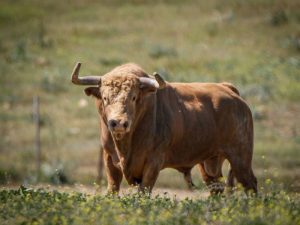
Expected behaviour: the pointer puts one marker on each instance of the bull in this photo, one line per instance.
(148, 124)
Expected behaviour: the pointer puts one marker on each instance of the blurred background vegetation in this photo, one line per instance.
(253, 44)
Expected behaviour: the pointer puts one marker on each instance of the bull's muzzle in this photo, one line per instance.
(118, 125)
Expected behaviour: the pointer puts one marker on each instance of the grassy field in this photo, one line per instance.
(20, 207)
(253, 44)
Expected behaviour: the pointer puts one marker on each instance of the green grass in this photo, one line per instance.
(28, 206)
(233, 41)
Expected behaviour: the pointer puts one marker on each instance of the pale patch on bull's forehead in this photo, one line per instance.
(119, 86)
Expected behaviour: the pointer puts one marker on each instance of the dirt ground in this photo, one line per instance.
(93, 190)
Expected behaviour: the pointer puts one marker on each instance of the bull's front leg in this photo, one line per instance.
(150, 174)
(113, 173)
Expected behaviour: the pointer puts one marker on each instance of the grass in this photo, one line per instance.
(28, 206)
(252, 44)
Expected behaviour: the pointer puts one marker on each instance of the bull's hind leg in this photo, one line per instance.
(241, 168)
(230, 180)
(211, 171)
(188, 179)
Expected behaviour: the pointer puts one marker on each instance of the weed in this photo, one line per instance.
(20, 52)
(29, 206)
(279, 17)
(158, 51)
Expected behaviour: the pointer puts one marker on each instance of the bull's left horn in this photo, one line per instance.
(157, 83)
(160, 80)
(87, 80)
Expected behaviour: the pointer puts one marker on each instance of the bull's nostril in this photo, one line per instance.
(115, 124)
(112, 123)
(125, 125)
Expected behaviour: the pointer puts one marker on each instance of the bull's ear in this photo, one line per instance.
(94, 91)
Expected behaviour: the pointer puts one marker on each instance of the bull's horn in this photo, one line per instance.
(87, 80)
(160, 80)
(157, 83)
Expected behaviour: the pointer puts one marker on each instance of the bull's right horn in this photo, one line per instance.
(87, 80)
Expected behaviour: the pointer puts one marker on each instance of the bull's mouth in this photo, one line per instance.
(119, 135)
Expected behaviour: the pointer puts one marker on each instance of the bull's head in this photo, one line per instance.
(120, 93)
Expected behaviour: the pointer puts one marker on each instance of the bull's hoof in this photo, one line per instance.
(137, 181)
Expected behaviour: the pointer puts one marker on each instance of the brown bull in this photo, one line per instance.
(148, 124)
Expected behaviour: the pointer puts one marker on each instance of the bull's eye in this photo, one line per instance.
(105, 101)
(134, 98)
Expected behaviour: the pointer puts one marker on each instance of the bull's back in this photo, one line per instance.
(201, 117)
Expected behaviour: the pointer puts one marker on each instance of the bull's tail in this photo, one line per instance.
(231, 87)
